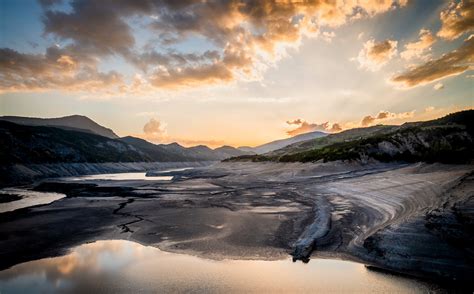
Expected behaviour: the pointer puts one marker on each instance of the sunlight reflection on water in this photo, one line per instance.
(27, 198)
(124, 266)
(120, 177)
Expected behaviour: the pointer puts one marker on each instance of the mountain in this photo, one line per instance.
(176, 152)
(344, 136)
(278, 144)
(229, 151)
(72, 122)
(62, 133)
(157, 152)
(449, 139)
(39, 144)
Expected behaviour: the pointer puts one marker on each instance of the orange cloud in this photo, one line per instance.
(305, 127)
(457, 19)
(374, 55)
(385, 115)
(248, 36)
(418, 48)
(449, 64)
(57, 69)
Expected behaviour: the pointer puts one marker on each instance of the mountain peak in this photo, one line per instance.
(75, 122)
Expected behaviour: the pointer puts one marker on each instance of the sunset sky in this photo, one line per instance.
(236, 72)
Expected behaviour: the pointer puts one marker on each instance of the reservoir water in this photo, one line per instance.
(118, 266)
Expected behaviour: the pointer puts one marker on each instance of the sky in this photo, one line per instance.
(235, 72)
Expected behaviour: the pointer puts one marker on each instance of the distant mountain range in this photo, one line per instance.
(278, 144)
(79, 139)
(176, 152)
(75, 139)
(72, 122)
(449, 139)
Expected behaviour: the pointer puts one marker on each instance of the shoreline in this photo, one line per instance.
(261, 211)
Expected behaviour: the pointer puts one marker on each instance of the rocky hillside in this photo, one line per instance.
(37, 144)
(345, 136)
(72, 122)
(23, 144)
(449, 139)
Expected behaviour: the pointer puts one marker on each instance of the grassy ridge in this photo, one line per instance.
(448, 140)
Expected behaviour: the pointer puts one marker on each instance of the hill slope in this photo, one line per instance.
(176, 152)
(449, 139)
(72, 122)
(278, 144)
(29, 144)
(41, 144)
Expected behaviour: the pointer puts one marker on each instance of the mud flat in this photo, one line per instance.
(415, 219)
(19, 174)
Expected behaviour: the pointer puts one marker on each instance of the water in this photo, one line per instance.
(27, 198)
(30, 198)
(122, 266)
(119, 177)
(135, 176)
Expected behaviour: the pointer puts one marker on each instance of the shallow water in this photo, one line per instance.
(28, 198)
(119, 177)
(135, 176)
(124, 266)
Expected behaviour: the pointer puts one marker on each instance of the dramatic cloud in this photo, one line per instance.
(56, 69)
(418, 48)
(457, 19)
(248, 37)
(374, 55)
(305, 127)
(383, 116)
(449, 64)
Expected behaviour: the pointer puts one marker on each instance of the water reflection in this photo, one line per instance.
(26, 198)
(124, 266)
(120, 177)
(135, 176)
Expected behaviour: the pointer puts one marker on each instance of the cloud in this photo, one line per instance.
(294, 122)
(457, 19)
(328, 36)
(191, 76)
(154, 130)
(248, 37)
(384, 116)
(418, 48)
(305, 127)
(335, 128)
(449, 64)
(429, 109)
(438, 86)
(58, 68)
(374, 55)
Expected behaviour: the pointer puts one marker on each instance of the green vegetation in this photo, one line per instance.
(449, 140)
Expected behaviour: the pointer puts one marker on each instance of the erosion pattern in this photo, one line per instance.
(414, 218)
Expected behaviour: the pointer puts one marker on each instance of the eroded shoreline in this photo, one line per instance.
(389, 216)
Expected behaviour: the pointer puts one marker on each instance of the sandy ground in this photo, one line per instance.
(415, 219)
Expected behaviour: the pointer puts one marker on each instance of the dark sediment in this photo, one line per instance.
(415, 219)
